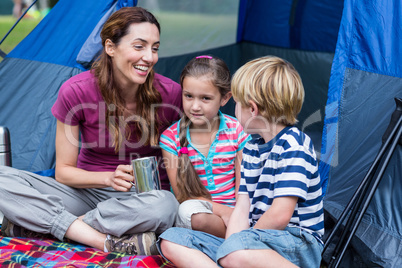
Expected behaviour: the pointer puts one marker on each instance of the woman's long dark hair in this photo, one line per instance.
(188, 182)
(114, 29)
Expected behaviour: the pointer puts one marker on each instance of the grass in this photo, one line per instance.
(181, 33)
(23, 28)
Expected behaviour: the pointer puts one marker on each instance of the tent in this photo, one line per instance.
(347, 54)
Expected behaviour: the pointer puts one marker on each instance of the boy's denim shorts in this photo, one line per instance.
(294, 244)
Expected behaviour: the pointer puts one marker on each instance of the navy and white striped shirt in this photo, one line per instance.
(285, 166)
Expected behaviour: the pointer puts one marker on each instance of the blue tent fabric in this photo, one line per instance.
(126, 3)
(59, 43)
(29, 89)
(365, 79)
(92, 47)
(347, 53)
(298, 24)
(367, 41)
(364, 42)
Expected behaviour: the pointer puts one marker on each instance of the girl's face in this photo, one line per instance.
(201, 101)
(135, 55)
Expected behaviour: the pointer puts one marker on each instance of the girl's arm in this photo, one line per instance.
(279, 214)
(171, 163)
(67, 138)
(224, 211)
(239, 219)
(239, 157)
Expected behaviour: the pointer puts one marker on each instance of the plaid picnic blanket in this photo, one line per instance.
(27, 252)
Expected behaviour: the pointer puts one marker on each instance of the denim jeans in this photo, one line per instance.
(294, 244)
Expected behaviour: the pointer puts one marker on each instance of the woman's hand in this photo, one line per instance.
(122, 179)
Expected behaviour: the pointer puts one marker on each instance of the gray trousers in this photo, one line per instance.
(43, 205)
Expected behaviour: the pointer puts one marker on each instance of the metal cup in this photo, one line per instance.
(146, 174)
(5, 147)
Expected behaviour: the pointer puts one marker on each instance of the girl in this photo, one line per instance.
(113, 108)
(202, 152)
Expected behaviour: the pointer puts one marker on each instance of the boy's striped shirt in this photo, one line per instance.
(285, 166)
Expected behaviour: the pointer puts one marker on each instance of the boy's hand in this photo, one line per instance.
(239, 219)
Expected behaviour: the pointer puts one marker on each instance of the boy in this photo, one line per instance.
(278, 219)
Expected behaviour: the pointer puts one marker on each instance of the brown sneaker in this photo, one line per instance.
(10, 229)
(135, 244)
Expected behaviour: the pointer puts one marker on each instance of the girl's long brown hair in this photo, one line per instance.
(188, 182)
(116, 27)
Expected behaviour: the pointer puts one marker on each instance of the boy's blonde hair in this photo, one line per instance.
(274, 85)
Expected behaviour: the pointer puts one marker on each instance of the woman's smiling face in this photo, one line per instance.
(135, 55)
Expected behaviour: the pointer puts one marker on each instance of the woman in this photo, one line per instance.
(120, 107)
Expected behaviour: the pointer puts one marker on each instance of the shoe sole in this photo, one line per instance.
(147, 239)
